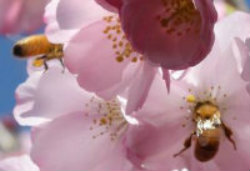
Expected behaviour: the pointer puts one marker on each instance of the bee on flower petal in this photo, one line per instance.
(39, 46)
(209, 128)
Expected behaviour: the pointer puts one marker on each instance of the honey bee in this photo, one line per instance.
(38, 45)
(209, 128)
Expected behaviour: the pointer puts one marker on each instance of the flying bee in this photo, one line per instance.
(209, 128)
(38, 45)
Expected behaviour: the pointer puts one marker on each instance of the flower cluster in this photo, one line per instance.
(143, 85)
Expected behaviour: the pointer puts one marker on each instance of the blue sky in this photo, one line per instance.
(248, 2)
(12, 73)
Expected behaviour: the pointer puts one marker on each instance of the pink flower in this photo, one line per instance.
(21, 16)
(99, 53)
(18, 163)
(174, 34)
(214, 86)
(89, 130)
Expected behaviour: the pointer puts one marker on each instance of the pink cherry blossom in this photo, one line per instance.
(21, 16)
(100, 55)
(166, 121)
(18, 163)
(75, 122)
(173, 34)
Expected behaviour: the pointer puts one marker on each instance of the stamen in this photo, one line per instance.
(109, 118)
(179, 17)
(122, 48)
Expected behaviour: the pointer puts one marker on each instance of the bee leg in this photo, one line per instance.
(187, 145)
(46, 67)
(62, 63)
(228, 132)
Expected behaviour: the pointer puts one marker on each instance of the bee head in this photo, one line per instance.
(206, 111)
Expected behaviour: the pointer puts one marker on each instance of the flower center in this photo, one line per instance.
(120, 45)
(212, 99)
(179, 17)
(206, 115)
(107, 118)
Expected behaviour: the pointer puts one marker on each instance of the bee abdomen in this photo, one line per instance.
(207, 152)
(31, 46)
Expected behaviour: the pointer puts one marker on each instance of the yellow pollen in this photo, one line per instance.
(119, 59)
(191, 98)
(38, 62)
(134, 59)
(103, 121)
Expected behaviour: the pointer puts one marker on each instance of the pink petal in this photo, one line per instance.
(246, 69)
(78, 13)
(71, 135)
(162, 106)
(91, 56)
(226, 31)
(53, 31)
(64, 18)
(21, 16)
(248, 88)
(111, 5)
(242, 54)
(223, 70)
(223, 50)
(237, 108)
(167, 37)
(221, 8)
(19, 163)
(47, 96)
(140, 86)
(166, 77)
